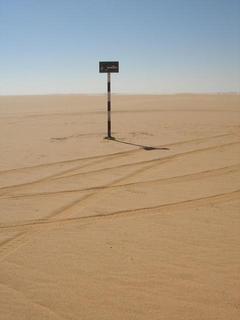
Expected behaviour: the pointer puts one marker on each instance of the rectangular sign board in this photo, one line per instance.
(108, 66)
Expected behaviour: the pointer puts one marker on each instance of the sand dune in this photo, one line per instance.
(144, 227)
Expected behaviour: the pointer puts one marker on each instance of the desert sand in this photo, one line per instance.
(99, 229)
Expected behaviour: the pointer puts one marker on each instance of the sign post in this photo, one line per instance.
(109, 135)
(109, 67)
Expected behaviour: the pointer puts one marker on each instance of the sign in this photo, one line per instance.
(108, 66)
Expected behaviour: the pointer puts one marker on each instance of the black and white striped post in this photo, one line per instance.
(109, 67)
(109, 134)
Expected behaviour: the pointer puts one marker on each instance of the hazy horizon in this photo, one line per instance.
(120, 94)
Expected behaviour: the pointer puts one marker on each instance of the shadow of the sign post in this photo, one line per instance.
(147, 148)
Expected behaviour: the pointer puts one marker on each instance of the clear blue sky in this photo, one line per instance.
(163, 46)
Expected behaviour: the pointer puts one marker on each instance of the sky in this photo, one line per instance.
(163, 46)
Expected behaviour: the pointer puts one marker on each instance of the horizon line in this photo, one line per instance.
(122, 94)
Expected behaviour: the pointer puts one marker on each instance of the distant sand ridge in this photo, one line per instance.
(145, 227)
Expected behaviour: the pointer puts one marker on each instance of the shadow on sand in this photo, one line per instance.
(147, 148)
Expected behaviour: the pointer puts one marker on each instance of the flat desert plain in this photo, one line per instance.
(143, 227)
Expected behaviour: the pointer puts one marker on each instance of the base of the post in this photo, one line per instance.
(109, 138)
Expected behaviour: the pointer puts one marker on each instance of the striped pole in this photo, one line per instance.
(109, 104)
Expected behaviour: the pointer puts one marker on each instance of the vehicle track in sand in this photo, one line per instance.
(61, 214)
(216, 198)
(159, 160)
(60, 175)
(33, 227)
(10, 245)
(180, 178)
(82, 200)
(97, 159)
(50, 164)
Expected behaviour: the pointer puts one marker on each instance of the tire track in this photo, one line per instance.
(82, 200)
(68, 161)
(149, 165)
(167, 145)
(55, 175)
(111, 154)
(10, 245)
(222, 197)
(14, 244)
(133, 164)
(64, 210)
(104, 158)
(181, 178)
(164, 159)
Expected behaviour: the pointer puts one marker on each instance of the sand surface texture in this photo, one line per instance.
(144, 227)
